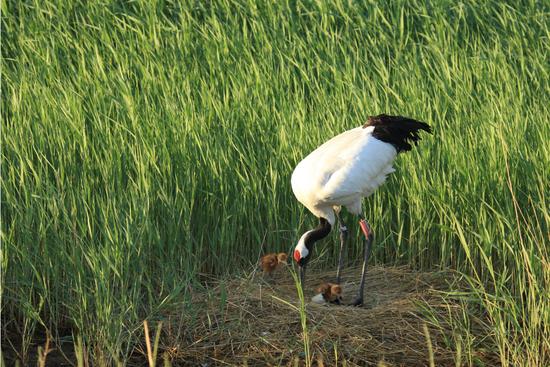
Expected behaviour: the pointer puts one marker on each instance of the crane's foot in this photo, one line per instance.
(358, 303)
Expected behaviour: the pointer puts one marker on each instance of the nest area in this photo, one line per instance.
(252, 322)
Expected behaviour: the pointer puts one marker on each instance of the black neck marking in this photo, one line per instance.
(397, 130)
(322, 230)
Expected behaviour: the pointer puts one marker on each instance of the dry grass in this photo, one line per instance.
(251, 322)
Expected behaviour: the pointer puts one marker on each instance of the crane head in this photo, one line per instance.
(302, 251)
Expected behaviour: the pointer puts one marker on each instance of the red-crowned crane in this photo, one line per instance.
(344, 170)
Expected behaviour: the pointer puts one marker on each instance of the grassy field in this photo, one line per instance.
(147, 149)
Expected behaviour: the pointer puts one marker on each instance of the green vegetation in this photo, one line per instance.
(146, 144)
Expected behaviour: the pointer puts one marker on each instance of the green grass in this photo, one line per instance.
(146, 144)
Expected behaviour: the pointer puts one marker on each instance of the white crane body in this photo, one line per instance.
(342, 171)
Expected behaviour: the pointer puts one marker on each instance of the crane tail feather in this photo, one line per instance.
(398, 131)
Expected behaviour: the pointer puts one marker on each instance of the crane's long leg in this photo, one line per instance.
(368, 243)
(344, 239)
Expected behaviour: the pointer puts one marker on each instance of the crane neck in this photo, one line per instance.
(320, 232)
(303, 250)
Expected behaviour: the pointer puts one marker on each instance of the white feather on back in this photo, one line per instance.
(345, 169)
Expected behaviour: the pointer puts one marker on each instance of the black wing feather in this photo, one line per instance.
(397, 130)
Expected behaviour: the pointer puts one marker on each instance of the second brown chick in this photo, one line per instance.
(271, 263)
(329, 293)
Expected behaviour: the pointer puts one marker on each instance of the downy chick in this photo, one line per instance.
(271, 263)
(329, 293)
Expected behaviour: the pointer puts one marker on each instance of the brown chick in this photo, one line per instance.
(327, 292)
(271, 263)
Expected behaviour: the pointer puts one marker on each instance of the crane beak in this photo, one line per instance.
(303, 276)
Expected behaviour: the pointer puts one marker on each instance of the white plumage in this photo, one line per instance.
(344, 170)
